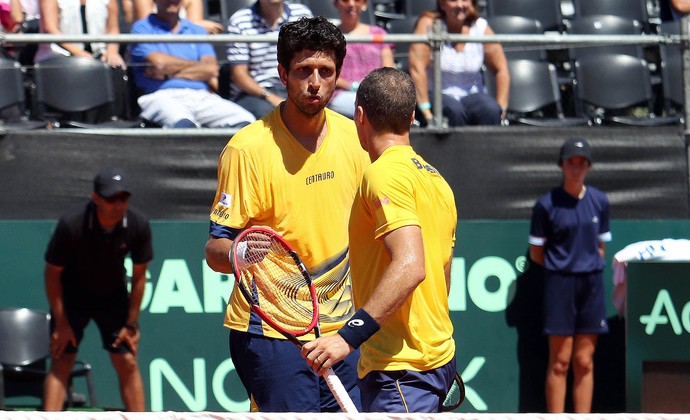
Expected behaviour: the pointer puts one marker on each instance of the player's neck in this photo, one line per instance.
(309, 131)
(379, 143)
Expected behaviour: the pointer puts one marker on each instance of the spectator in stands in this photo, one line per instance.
(255, 82)
(20, 16)
(85, 280)
(192, 10)
(673, 9)
(361, 58)
(465, 101)
(176, 77)
(93, 17)
(568, 233)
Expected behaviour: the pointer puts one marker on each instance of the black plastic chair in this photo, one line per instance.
(616, 89)
(13, 98)
(25, 349)
(605, 25)
(672, 79)
(535, 97)
(401, 52)
(547, 12)
(519, 25)
(627, 9)
(77, 93)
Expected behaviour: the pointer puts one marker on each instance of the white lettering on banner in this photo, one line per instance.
(160, 368)
(196, 399)
(175, 288)
(471, 396)
(663, 303)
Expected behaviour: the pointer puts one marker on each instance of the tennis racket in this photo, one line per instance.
(455, 396)
(278, 288)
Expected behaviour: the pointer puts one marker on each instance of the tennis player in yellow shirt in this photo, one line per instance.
(402, 233)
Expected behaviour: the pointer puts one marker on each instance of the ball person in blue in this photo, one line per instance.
(568, 232)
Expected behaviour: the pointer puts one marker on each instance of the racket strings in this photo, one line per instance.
(279, 288)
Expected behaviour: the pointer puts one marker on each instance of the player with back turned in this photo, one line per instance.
(402, 235)
(295, 171)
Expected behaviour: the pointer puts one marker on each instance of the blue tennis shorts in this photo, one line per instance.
(278, 379)
(406, 391)
(574, 303)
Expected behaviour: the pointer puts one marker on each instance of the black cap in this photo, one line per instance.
(575, 147)
(110, 181)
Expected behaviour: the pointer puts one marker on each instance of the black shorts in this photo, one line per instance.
(574, 303)
(109, 321)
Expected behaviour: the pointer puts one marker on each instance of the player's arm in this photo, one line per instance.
(402, 276)
(447, 270)
(217, 251)
(63, 334)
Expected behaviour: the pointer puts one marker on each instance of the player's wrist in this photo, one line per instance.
(359, 328)
(132, 326)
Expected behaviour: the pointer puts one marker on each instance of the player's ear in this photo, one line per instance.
(282, 72)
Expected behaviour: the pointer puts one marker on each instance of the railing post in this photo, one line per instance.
(436, 44)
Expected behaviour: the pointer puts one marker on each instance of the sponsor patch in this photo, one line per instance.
(225, 199)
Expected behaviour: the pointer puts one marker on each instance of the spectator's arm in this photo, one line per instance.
(495, 60)
(241, 77)
(387, 59)
(420, 58)
(112, 27)
(681, 6)
(16, 14)
(142, 8)
(163, 66)
(195, 13)
(50, 18)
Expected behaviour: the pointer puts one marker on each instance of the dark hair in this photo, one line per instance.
(387, 96)
(440, 14)
(314, 34)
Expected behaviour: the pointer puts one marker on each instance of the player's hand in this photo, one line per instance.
(324, 352)
(61, 336)
(130, 337)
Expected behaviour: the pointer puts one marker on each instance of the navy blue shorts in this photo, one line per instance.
(574, 303)
(109, 321)
(406, 391)
(278, 379)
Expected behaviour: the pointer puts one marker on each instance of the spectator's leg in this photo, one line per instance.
(481, 109)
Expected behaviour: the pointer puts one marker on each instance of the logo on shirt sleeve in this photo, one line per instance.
(379, 202)
(225, 199)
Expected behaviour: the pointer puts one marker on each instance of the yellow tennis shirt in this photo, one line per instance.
(267, 178)
(401, 189)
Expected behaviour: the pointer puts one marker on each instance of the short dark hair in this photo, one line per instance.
(314, 34)
(387, 96)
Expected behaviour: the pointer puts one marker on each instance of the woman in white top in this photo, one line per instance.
(465, 101)
(75, 17)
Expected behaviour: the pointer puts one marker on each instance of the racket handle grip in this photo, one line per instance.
(339, 392)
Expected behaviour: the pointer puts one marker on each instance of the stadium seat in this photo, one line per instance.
(13, 99)
(535, 97)
(627, 9)
(617, 89)
(24, 352)
(672, 79)
(605, 25)
(402, 49)
(78, 93)
(519, 25)
(547, 12)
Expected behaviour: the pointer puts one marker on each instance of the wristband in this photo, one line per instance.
(359, 328)
(424, 106)
(134, 326)
(354, 86)
(241, 252)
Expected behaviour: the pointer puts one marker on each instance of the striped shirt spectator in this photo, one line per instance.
(255, 82)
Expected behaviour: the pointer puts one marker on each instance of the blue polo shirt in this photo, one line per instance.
(570, 230)
(151, 25)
